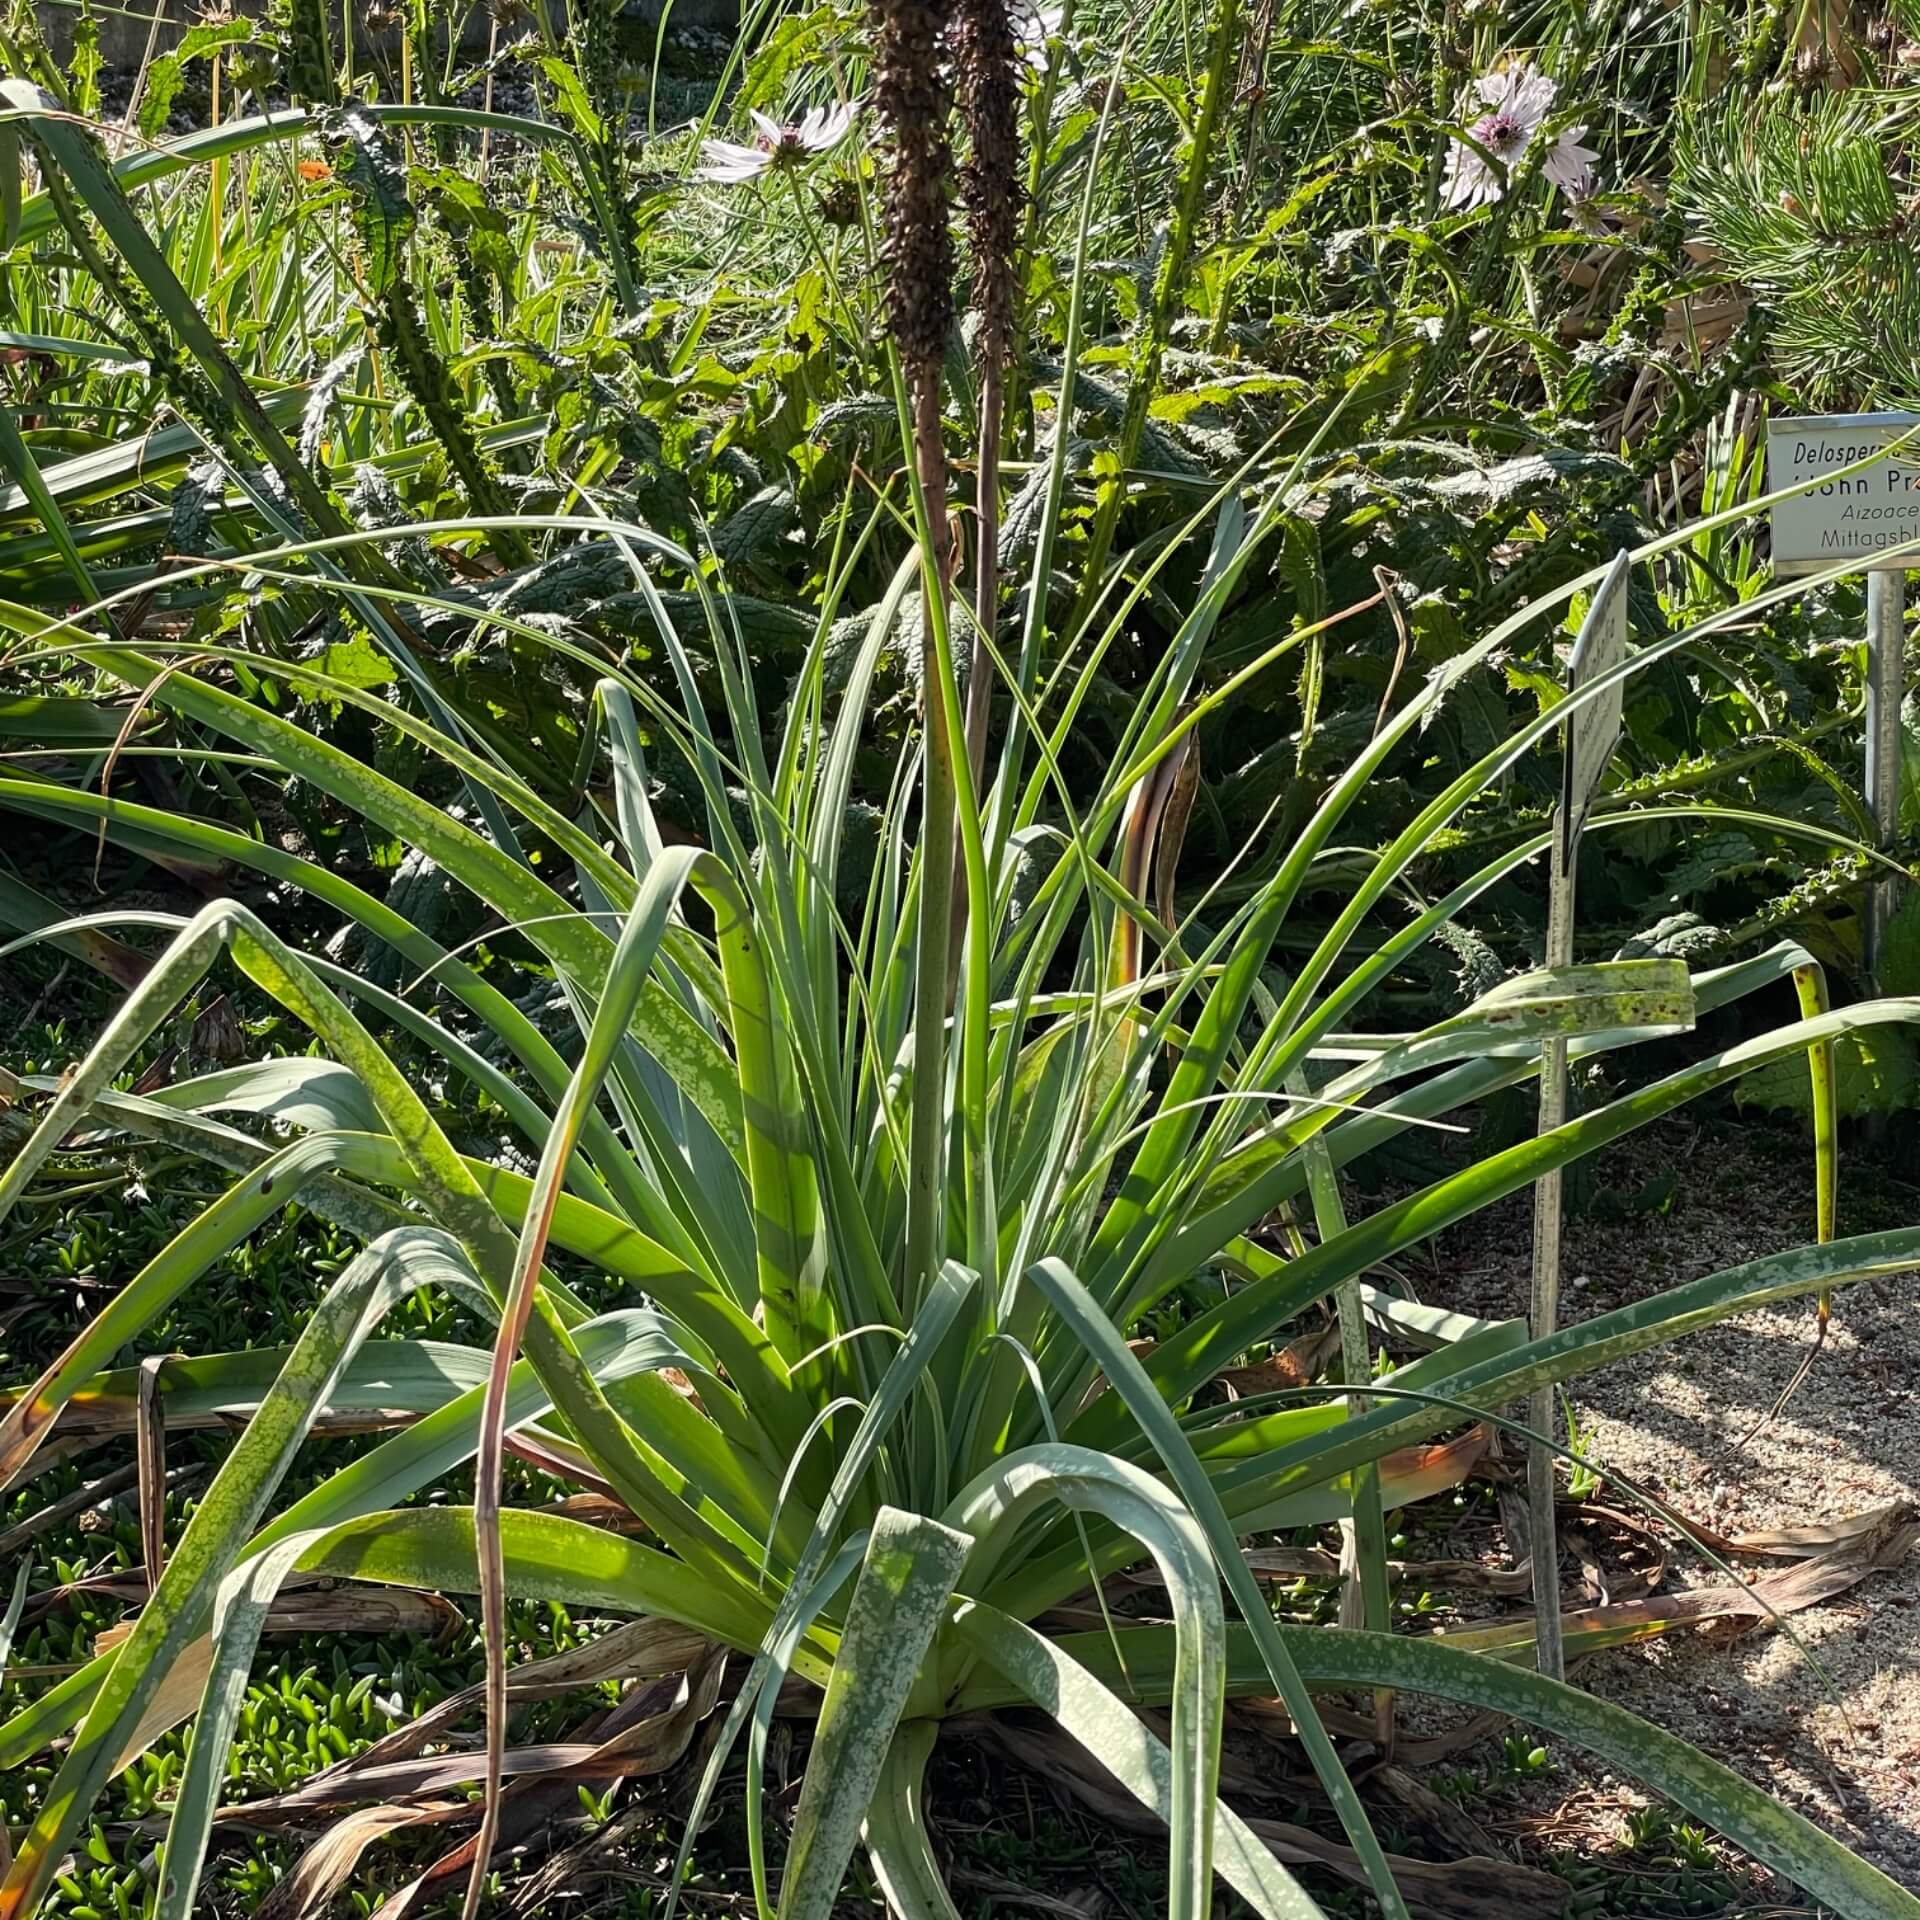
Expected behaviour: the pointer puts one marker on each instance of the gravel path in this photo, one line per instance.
(1847, 1442)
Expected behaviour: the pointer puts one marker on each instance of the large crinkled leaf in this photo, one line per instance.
(375, 172)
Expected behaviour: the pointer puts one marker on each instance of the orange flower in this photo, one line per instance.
(315, 170)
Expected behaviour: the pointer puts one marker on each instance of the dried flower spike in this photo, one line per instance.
(914, 99)
(987, 56)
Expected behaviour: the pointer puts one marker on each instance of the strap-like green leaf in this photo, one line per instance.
(183, 1260)
(899, 1844)
(1136, 1394)
(222, 1521)
(1340, 1660)
(1211, 1340)
(568, 938)
(1041, 1672)
(899, 1602)
(995, 1506)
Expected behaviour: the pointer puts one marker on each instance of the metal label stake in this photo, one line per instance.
(1591, 734)
(1886, 672)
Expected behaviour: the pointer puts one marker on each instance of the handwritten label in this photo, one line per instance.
(1845, 515)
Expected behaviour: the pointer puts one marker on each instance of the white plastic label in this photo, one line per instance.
(1847, 515)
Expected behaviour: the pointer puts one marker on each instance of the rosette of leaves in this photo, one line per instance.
(886, 1482)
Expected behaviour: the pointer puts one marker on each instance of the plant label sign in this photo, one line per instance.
(1853, 511)
(1594, 730)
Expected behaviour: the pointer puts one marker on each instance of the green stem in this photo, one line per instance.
(918, 400)
(1168, 286)
(818, 248)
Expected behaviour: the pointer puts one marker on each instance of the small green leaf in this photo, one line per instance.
(372, 168)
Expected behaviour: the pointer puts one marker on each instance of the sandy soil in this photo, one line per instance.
(1847, 1442)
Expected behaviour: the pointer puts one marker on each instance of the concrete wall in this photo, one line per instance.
(127, 25)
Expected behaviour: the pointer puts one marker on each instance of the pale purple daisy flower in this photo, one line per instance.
(1518, 101)
(726, 163)
(1570, 165)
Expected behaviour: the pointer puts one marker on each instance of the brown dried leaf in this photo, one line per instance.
(177, 1697)
(1441, 1822)
(432, 1773)
(1800, 1543)
(1088, 1904)
(150, 1442)
(328, 1864)
(681, 1385)
(1140, 1349)
(1297, 1364)
(598, 1510)
(319, 1610)
(1874, 1549)
(1176, 811)
(82, 1501)
(535, 1449)
(90, 1418)
(647, 1733)
(324, 1606)
(639, 1650)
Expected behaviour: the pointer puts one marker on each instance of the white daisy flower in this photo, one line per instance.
(1517, 100)
(818, 132)
(1033, 27)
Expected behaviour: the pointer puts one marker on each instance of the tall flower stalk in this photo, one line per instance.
(913, 98)
(987, 59)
